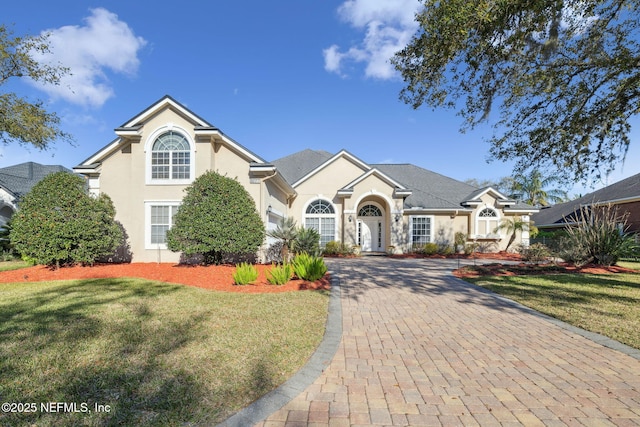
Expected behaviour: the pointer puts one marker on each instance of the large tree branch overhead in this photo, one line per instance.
(564, 75)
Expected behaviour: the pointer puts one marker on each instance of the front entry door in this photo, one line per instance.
(371, 228)
(371, 235)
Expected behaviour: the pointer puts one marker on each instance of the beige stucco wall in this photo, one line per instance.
(325, 185)
(123, 178)
(493, 244)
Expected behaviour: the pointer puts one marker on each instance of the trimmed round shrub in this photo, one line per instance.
(59, 223)
(217, 219)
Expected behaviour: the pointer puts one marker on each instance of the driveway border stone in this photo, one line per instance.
(269, 403)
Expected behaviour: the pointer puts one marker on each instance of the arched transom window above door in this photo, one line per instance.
(321, 216)
(369, 210)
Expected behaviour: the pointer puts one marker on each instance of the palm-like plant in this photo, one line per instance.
(287, 232)
(532, 189)
(513, 225)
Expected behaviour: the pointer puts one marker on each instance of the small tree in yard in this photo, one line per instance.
(59, 223)
(286, 232)
(512, 226)
(217, 219)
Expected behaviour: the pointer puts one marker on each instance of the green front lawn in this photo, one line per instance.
(155, 353)
(12, 265)
(608, 304)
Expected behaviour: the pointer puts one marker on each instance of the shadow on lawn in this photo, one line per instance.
(96, 342)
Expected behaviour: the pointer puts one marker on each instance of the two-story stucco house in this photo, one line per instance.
(161, 150)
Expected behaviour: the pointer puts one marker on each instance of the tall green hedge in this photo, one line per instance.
(217, 219)
(59, 223)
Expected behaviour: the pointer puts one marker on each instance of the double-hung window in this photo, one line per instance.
(159, 218)
(421, 230)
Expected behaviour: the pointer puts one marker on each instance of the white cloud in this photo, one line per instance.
(103, 44)
(387, 27)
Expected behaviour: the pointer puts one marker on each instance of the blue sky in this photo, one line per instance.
(277, 77)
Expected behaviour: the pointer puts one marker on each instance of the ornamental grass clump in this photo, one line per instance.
(245, 274)
(600, 235)
(308, 267)
(280, 274)
(535, 253)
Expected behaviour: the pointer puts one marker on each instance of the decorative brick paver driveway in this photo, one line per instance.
(422, 348)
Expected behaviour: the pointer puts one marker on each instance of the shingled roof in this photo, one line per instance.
(19, 179)
(621, 191)
(429, 190)
(297, 165)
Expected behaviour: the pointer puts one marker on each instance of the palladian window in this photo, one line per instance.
(487, 223)
(320, 215)
(171, 157)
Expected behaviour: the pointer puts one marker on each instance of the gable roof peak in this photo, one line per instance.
(165, 102)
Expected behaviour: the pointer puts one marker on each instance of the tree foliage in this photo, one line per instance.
(21, 120)
(512, 226)
(217, 219)
(565, 73)
(536, 190)
(59, 223)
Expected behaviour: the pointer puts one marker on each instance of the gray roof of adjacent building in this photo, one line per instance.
(19, 179)
(627, 189)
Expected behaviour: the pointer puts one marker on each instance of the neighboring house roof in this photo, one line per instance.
(627, 190)
(19, 179)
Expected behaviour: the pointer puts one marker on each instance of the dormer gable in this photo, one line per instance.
(131, 132)
(475, 198)
(342, 154)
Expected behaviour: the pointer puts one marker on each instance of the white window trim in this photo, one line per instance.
(432, 220)
(148, 146)
(147, 221)
(305, 215)
(490, 235)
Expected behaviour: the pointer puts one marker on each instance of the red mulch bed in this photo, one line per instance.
(219, 278)
(522, 269)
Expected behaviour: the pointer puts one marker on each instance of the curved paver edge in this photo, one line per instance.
(274, 400)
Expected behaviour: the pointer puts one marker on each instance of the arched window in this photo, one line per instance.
(487, 222)
(369, 210)
(320, 207)
(171, 157)
(321, 216)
